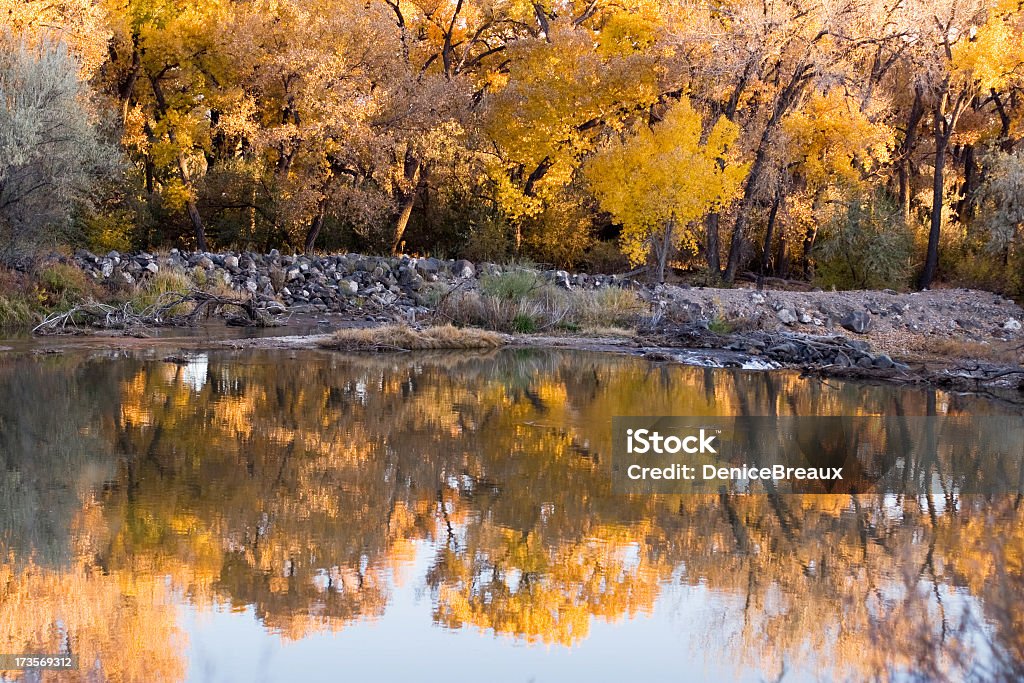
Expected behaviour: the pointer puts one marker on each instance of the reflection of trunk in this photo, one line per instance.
(406, 198)
(906, 150)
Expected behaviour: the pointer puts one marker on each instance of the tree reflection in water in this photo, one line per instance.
(302, 486)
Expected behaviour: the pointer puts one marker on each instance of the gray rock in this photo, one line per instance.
(786, 316)
(883, 362)
(428, 266)
(856, 321)
(152, 267)
(1012, 325)
(463, 269)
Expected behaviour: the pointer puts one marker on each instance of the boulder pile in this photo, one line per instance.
(318, 284)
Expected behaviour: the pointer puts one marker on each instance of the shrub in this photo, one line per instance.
(50, 151)
(605, 257)
(867, 246)
(62, 286)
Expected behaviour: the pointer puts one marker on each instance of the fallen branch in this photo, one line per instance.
(161, 313)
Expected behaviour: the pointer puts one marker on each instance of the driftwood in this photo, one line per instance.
(164, 312)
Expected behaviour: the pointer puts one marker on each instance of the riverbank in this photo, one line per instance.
(961, 339)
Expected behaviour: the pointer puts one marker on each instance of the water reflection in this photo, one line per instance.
(309, 492)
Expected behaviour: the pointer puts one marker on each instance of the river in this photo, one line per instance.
(311, 516)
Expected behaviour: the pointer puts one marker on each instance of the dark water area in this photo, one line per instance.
(305, 516)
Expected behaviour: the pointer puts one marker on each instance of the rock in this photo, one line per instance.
(856, 321)
(348, 287)
(293, 274)
(152, 267)
(1012, 325)
(428, 266)
(805, 318)
(786, 316)
(107, 268)
(757, 298)
(463, 269)
(883, 362)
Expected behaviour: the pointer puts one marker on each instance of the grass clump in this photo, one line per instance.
(15, 310)
(405, 338)
(511, 285)
(61, 286)
(166, 281)
(720, 325)
(523, 305)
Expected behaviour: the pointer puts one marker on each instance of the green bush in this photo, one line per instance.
(867, 246)
(61, 286)
(512, 284)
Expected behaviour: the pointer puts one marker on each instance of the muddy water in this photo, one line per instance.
(298, 516)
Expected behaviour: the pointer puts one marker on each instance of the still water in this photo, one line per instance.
(278, 516)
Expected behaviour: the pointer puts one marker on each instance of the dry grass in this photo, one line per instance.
(515, 303)
(405, 338)
(1010, 353)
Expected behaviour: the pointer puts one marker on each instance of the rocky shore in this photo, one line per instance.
(885, 334)
(342, 283)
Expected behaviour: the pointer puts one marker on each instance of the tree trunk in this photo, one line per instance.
(769, 232)
(906, 150)
(931, 262)
(711, 223)
(407, 199)
(190, 203)
(965, 207)
(786, 99)
(313, 232)
(666, 245)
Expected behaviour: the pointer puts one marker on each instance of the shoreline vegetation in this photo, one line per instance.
(960, 339)
(704, 149)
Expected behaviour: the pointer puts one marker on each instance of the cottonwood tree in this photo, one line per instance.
(659, 180)
(968, 49)
(51, 151)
